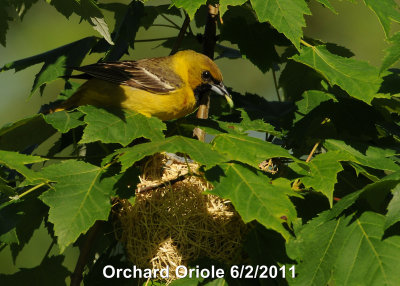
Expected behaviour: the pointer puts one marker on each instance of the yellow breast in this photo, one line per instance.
(164, 106)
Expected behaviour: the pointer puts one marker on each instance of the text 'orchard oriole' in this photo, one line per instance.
(168, 87)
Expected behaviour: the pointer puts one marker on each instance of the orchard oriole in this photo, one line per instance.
(167, 87)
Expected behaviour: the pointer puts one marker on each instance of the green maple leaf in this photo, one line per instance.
(345, 250)
(198, 151)
(359, 79)
(392, 53)
(248, 149)
(80, 196)
(64, 121)
(254, 195)
(18, 162)
(393, 213)
(190, 6)
(287, 16)
(122, 126)
(327, 4)
(223, 5)
(386, 10)
(322, 176)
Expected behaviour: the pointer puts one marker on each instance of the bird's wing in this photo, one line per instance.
(153, 75)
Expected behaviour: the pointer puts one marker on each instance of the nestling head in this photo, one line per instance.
(203, 74)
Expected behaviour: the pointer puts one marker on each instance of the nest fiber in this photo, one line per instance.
(173, 222)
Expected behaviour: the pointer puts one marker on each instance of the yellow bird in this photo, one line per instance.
(167, 87)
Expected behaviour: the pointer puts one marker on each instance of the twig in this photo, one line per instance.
(181, 34)
(208, 49)
(170, 182)
(276, 84)
(84, 254)
(312, 152)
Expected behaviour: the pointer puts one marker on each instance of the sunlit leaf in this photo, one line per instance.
(223, 5)
(386, 10)
(369, 156)
(327, 4)
(287, 16)
(198, 151)
(392, 53)
(18, 162)
(248, 149)
(311, 99)
(64, 121)
(323, 172)
(254, 195)
(189, 6)
(345, 250)
(393, 214)
(358, 78)
(80, 196)
(122, 126)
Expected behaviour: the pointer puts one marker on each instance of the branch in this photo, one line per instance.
(181, 34)
(165, 183)
(84, 254)
(208, 49)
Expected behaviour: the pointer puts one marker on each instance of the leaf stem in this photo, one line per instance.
(312, 152)
(31, 190)
(306, 44)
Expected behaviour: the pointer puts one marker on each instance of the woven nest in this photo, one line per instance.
(174, 223)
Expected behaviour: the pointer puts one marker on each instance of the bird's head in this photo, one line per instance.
(202, 74)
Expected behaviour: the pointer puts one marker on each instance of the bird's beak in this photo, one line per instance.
(221, 90)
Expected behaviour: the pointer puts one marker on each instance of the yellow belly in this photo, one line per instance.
(164, 106)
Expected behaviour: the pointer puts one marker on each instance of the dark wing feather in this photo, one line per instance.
(154, 75)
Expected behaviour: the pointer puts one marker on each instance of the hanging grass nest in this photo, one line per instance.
(173, 222)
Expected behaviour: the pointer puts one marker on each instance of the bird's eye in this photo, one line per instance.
(206, 75)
